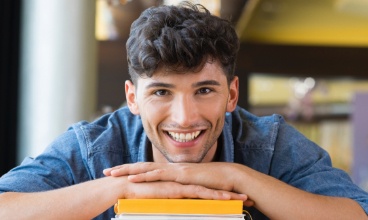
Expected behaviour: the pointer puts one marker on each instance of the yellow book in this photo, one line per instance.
(178, 206)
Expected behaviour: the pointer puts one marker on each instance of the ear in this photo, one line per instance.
(233, 95)
(131, 97)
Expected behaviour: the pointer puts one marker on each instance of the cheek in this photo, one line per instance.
(152, 113)
(214, 108)
(217, 114)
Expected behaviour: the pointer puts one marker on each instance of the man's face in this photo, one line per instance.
(183, 114)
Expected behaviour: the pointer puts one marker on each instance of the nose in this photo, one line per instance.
(184, 111)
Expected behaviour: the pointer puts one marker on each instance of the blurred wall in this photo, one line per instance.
(58, 70)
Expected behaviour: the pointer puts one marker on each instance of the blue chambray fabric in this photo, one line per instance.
(267, 144)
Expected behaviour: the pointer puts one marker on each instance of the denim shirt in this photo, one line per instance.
(266, 144)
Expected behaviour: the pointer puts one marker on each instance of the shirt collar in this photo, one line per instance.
(227, 154)
(144, 149)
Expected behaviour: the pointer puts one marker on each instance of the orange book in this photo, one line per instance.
(179, 206)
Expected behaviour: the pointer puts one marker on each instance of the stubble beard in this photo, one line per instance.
(183, 158)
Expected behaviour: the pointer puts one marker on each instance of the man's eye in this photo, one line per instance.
(161, 92)
(204, 90)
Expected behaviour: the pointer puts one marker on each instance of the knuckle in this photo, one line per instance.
(198, 189)
(158, 171)
(145, 165)
(183, 174)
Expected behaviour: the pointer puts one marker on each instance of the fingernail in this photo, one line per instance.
(245, 197)
(132, 178)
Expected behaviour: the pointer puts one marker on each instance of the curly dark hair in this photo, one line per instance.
(180, 38)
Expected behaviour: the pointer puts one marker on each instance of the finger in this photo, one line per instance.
(236, 196)
(173, 190)
(181, 174)
(107, 171)
(195, 191)
(152, 176)
(150, 172)
(123, 169)
(136, 168)
(248, 203)
(120, 171)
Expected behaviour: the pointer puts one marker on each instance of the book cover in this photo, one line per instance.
(178, 209)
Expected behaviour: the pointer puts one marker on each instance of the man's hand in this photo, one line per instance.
(173, 190)
(274, 198)
(217, 176)
(211, 175)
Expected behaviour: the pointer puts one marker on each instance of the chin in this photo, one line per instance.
(184, 160)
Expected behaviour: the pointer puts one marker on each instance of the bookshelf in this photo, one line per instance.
(329, 106)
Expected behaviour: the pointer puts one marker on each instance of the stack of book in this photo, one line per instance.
(178, 209)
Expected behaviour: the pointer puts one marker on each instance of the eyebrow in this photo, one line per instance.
(206, 83)
(159, 84)
(194, 85)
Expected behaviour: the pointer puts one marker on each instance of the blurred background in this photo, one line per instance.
(65, 61)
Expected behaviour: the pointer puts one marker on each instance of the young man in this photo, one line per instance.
(183, 125)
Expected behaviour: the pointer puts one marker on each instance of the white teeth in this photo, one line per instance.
(188, 136)
(184, 137)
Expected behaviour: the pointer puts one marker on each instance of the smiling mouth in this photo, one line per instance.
(184, 137)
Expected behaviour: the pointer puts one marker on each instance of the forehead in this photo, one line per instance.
(209, 71)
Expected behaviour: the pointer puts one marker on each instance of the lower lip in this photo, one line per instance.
(188, 144)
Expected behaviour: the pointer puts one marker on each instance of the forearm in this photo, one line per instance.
(278, 200)
(81, 201)
(272, 197)
(89, 199)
